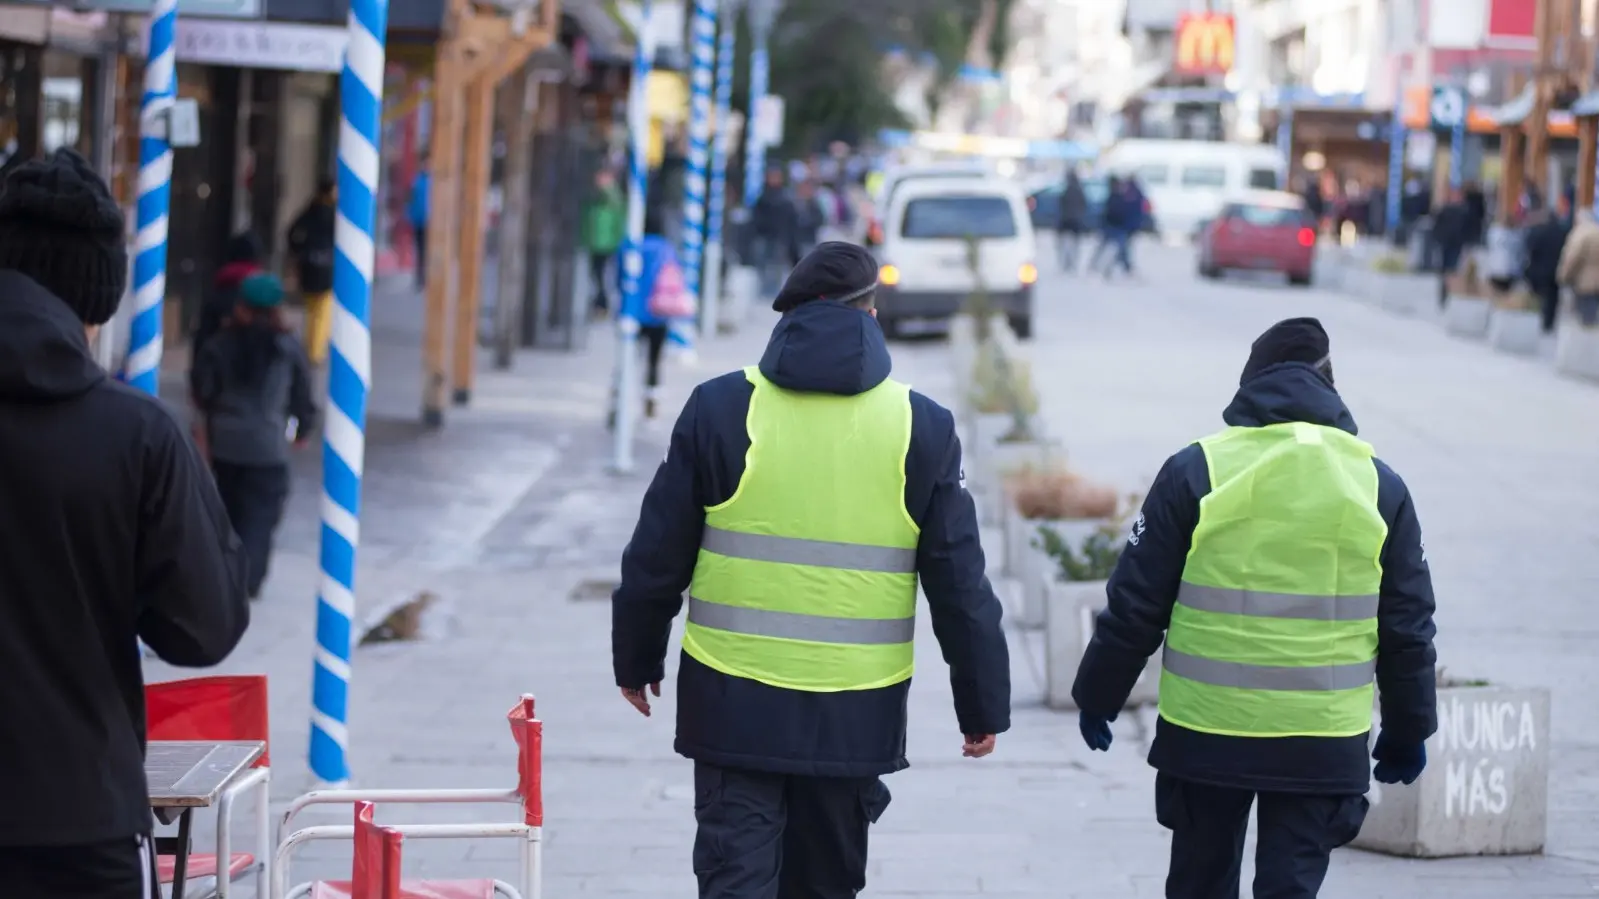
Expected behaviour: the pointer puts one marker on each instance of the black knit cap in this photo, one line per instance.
(1291, 340)
(60, 226)
(835, 270)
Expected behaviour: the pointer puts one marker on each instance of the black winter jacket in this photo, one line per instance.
(822, 347)
(110, 532)
(1144, 587)
(311, 242)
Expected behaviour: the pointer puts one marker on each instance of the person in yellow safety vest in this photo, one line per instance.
(1283, 564)
(800, 502)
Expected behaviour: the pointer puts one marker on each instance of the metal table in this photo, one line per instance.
(186, 775)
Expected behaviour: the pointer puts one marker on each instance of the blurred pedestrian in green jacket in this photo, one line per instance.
(604, 225)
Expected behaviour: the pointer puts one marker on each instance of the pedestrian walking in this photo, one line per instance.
(418, 209)
(1545, 242)
(1579, 267)
(1283, 565)
(809, 218)
(604, 226)
(252, 385)
(242, 257)
(1073, 221)
(774, 223)
(799, 503)
(1117, 223)
(666, 299)
(110, 533)
(311, 243)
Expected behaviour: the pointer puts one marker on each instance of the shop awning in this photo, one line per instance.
(1586, 105)
(1514, 112)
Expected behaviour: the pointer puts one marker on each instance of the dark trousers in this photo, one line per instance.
(1295, 836)
(654, 344)
(421, 234)
(254, 496)
(1548, 292)
(775, 836)
(599, 268)
(118, 869)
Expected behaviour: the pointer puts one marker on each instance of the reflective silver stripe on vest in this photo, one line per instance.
(794, 626)
(1269, 677)
(796, 551)
(1277, 605)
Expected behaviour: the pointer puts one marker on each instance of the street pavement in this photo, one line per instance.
(510, 515)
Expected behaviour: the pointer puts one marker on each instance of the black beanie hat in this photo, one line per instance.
(60, 226)
(835, 270)
(1292, 340)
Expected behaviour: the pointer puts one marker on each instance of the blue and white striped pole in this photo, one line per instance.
(711, 302)
(638, 178)
(349, 377)
(1457, 148)
(143, 365)
(703, 35)
(760, 79)
(1396, 166)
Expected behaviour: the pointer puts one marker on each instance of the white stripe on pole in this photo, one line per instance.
(349, 379)
(626, 388)
(703, 32)
(711, 281)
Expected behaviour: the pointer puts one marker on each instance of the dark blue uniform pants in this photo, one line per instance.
(1296, 834)
(777, 836)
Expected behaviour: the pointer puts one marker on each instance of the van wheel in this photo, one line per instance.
(1022, 326)
(1299, 280)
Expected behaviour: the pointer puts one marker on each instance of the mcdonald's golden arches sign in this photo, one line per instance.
(1204, 44)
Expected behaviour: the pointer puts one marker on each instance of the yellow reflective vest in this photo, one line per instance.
(1274, 633)
(806, 577)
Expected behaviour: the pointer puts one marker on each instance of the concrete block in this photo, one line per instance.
(1408, 295)
(738, 298)
(1577, 350)
(1355, 279)
(1328, 269)
(1517, 331)
(1468, 316)
(1070, 610)
(1040, 569)
(1486, 787)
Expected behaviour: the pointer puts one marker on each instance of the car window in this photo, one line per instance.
(1204, 176)
(942, 218)
(1153, 174)
(1263, 179)
(1264, 216)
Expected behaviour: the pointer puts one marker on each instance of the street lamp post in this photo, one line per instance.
(762, 14)
(626, 386)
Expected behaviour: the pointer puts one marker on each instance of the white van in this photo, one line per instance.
(1187, 181)
(926, 274)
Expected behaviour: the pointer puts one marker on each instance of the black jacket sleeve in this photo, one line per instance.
(191, 568)
(302, 403)
(658, 563)
(205, 375)
(966, 613)
(1143, 587)
(1406, 659)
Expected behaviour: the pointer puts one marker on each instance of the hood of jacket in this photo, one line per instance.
(825, 346)
(1288, 391)
(44, 354)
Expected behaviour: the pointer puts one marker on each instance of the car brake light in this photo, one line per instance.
(1032, 204)
(1307, 237)
(1028, 273)
(888, 275)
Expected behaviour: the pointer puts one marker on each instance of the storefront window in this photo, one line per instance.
(19, 100)
(68, 103)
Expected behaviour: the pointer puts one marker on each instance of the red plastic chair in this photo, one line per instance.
(373, 842)
(218, 708)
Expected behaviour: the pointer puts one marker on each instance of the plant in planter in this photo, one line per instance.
(1391, 264)
(1486, 787)
(1045, 489)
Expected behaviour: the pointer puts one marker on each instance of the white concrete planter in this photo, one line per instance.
(1071, 607)
(1577, 350)
(1468, 316)
(1486, 787)
(1328, 270)
(1518, 331)
(1037, 570)
(1408, 295)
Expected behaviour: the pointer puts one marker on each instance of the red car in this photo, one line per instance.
(1266, 231)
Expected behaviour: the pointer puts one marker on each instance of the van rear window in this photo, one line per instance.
(954, 217)
(1204, 176)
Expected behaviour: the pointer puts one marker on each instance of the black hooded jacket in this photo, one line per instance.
(819, 347)
(1144, 587)
(110, 532)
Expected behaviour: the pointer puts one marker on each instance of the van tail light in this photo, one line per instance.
(1032, 204)
(1307, 237)
(874, 234)
(1028, 273)
(888, 275)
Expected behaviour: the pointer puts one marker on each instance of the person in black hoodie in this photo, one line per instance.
(790, 739)
(242, 258)
(311, 242)
(110, 532)
(252, 385)
(1298, 749)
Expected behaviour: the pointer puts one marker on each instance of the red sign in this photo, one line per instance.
(1511, 23)
(1204, 44)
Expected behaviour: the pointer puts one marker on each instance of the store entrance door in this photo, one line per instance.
(202, 196)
